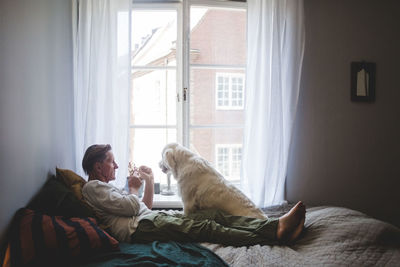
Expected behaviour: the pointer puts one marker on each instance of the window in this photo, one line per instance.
(229, 158)
(229, 89)
(153, 116)
(188, 87)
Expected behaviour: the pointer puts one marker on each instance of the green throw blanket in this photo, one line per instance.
(158, 254)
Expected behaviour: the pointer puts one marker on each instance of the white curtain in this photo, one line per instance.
(275, 54)
(101, 78)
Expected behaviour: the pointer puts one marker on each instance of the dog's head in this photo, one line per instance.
(174, 156)
(168, 163)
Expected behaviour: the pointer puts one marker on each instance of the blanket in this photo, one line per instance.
(333, 236)
(157, 254)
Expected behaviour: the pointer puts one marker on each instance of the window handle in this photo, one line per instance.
(184, 93)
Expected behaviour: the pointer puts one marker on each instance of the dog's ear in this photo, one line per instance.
(169, 158)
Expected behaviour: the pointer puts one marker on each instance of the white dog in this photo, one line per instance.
(203, 187)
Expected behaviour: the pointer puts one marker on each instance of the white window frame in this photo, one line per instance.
(161, 201)
(187, 66)
(230, 76)
(179, 44)
(183, 67)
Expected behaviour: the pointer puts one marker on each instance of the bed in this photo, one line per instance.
(333, 236)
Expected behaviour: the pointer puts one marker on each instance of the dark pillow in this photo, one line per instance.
(6, 260)
(54, 198)
(37, 239)
(72, 180)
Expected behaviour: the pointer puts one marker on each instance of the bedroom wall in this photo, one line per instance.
(347, 153)
(35, 98)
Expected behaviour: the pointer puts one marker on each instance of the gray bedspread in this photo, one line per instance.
(333, 237)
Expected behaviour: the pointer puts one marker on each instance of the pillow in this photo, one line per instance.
(6, 260)
(41, 240)
(72, 180)
(54, 198)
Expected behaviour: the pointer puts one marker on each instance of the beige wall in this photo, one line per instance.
(35, 98)
(347, 153)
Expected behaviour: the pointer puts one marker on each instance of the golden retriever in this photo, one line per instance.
(201, 186)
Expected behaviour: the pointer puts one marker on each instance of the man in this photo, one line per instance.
(132, 220)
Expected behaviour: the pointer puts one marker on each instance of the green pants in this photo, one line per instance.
(212, 226)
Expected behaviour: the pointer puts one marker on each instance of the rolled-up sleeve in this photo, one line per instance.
(111, 200)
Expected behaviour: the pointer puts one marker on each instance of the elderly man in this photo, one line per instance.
(131, 219)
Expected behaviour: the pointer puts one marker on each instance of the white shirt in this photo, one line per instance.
(115, 208)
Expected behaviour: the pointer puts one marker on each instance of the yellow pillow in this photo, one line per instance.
(72, 180)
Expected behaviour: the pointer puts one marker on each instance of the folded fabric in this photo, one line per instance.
(37, 239)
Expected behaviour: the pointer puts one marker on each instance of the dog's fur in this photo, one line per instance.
(203, 187)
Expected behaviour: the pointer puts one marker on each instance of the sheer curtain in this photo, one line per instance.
(101, 78)
(275, 54)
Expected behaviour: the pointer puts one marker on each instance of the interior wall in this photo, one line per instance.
(36, 82)
(346, 153)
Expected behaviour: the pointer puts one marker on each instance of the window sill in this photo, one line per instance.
(167, 202)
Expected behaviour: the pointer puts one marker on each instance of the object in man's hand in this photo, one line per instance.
(133, 170)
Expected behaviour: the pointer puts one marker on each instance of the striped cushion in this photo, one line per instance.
(37, 238)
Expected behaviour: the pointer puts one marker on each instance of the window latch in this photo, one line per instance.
(184, 93)
(178, 98)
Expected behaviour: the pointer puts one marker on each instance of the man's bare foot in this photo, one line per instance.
(291, 224)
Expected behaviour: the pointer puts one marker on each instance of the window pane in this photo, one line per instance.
(223, 160)
(218, 36)
(236, 161)
(221, 147)
(211, 99)
(153, 98)
(145, 147)
(154, 35)
(237, 93)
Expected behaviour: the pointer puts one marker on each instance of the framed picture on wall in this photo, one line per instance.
(363, 81)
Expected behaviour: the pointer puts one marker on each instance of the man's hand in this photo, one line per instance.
(146, 174)
(134, 182)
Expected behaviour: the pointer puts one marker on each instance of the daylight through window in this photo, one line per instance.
(188, 88)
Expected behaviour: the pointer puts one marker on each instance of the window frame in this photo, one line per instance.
(183, 66)
(178, 68)
(187, 66)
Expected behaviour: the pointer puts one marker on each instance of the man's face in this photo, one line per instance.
(108, 167)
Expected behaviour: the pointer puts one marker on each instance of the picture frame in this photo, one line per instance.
(363, 81)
